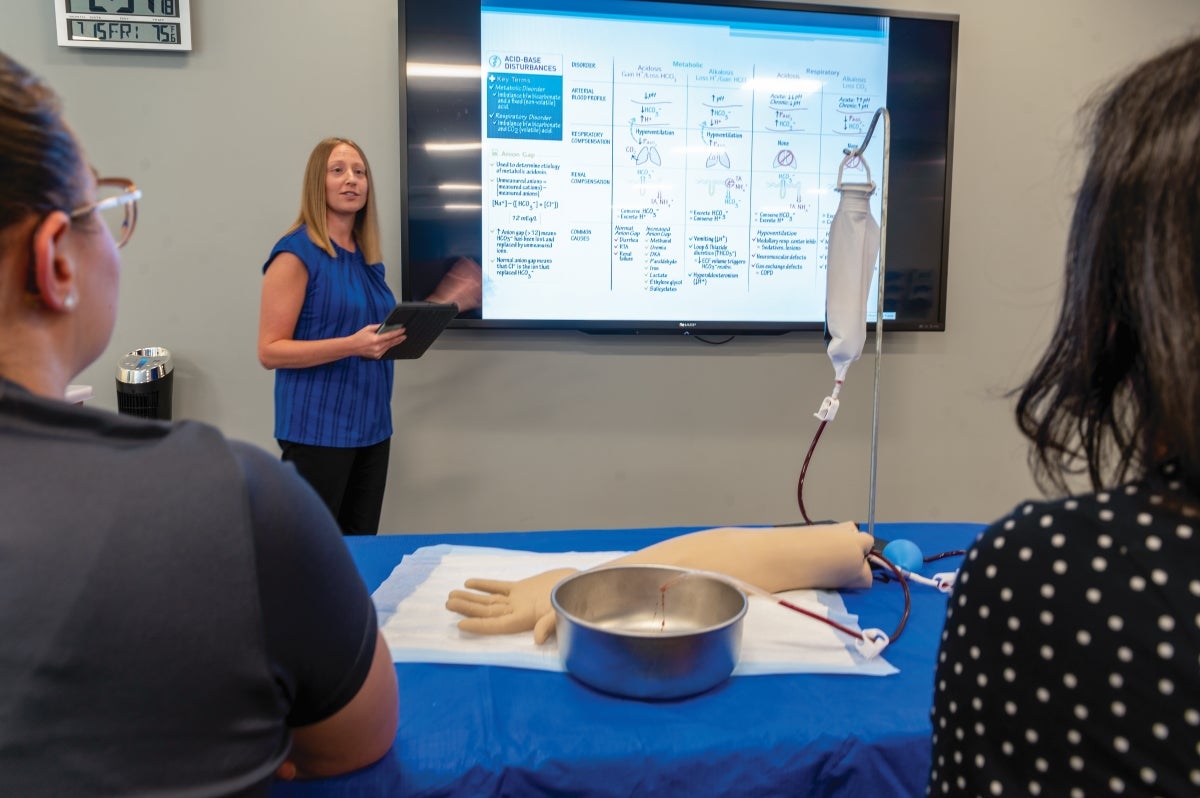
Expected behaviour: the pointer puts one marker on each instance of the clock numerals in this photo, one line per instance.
(161, 32)
(165, 8)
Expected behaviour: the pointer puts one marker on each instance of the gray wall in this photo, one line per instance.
(525, 430)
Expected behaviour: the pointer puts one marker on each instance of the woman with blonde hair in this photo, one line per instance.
(324, 296)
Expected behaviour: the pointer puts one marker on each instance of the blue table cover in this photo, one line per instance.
(492, 731)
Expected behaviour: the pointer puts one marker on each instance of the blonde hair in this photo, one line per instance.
(313, 204)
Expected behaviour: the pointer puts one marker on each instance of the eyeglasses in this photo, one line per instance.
(117, 206)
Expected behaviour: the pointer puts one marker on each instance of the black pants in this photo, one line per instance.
(350, 481)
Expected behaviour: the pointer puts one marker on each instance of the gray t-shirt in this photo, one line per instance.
(170, 603)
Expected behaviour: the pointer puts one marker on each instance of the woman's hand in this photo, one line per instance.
(497, 607)
(373, 345)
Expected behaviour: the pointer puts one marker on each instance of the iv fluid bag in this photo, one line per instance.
(853, 248)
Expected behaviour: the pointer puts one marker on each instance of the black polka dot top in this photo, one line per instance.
(1070, 658)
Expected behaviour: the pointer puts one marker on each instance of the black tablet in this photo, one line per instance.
(423, 321)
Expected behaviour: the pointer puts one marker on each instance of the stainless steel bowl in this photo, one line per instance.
(649, 631)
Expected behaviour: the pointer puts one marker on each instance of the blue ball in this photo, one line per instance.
(905, 554)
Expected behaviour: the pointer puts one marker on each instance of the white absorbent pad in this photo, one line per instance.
(418, 627)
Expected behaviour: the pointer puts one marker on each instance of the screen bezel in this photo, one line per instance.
(935, 321)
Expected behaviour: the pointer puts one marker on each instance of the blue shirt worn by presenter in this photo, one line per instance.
(172, 602)
(345, 403)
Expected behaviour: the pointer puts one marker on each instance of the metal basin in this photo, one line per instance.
(649, 631)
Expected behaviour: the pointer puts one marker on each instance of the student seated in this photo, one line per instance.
(1070, 659)
(179, 614)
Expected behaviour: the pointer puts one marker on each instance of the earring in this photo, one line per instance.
(71, 300)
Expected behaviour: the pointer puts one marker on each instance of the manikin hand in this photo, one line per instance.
(828, 556)
(501, 607)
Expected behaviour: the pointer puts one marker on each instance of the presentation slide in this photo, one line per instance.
(666, 162)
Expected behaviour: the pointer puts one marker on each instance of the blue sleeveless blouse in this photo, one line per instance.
(346, 403)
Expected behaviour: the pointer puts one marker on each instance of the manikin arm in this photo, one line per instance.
(828, 556)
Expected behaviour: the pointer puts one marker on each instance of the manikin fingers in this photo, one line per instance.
(475, 609)
(499, 586)
(478, 598)
(505, 625)
(544, 627)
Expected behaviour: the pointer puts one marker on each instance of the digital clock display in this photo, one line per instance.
(124, 24)
(128, 8)
(112, 31)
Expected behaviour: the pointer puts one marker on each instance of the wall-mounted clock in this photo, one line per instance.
(124, 24)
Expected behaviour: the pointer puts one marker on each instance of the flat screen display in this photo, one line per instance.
(631, 166)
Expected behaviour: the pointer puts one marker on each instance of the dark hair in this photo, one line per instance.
(1117, 393)
(41, 165)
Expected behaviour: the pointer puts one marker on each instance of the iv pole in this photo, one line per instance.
(887, 154)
